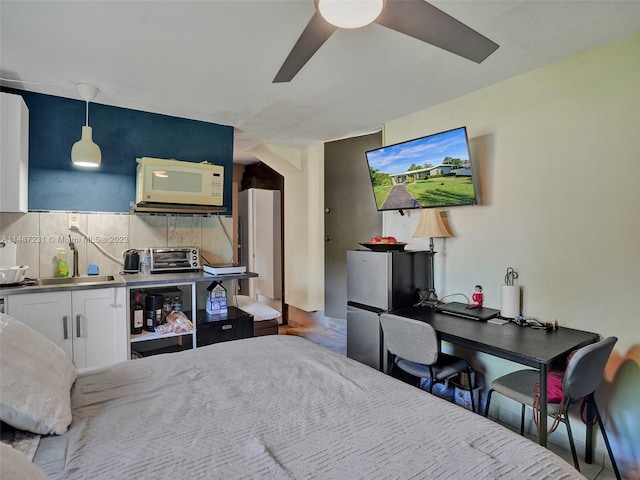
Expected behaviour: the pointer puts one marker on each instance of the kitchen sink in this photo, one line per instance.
(74, 280)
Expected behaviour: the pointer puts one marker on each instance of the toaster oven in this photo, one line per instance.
(174, 259)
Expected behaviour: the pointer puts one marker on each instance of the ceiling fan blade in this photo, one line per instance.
(425, 22)
(317, 31)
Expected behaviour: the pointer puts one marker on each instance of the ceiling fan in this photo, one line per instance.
(415, 18)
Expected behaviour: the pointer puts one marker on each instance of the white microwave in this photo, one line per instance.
(175, 182)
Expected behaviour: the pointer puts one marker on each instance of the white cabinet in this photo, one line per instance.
(48, 313)
(89, 325)
(14, 153)
(260, 241)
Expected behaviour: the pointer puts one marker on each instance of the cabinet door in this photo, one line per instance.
(48, 313)
(14, 153)
(99, 327)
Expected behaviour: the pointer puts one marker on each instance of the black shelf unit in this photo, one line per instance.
(235, 324)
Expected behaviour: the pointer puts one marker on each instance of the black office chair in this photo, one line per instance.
(582, 377)
(414, 348)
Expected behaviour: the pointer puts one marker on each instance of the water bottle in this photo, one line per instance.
(145, 262)
(177, 305)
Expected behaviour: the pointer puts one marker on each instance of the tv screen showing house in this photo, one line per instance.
(427, 172)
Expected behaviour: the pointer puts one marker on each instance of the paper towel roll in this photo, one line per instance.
(510, 301)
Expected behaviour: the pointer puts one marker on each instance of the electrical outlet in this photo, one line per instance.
(74, 220)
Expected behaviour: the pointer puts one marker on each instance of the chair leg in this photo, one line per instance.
(592, 400)
(572, 444)
(486, 411)
(486, 408)
(390, 362)
(473, 401)
(431, 381)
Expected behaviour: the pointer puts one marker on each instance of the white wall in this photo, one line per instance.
(303, 197)
(557, 152)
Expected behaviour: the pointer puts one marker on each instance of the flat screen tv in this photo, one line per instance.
(428, 172)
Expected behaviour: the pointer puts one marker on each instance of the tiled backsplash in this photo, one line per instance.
(39, 235)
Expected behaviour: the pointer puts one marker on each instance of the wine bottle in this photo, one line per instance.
(137, 315)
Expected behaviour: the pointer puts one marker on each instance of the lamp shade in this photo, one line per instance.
(430, 225)
(84, 152)
(350, 13)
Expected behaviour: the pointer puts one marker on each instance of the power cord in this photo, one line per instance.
(533, 323)
(226, 233)
(424, 301)
(224, 229)
(453, 295)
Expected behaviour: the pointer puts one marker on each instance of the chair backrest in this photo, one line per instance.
(410, 339)
(586, 368)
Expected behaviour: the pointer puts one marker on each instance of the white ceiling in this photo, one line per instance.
(215, 60)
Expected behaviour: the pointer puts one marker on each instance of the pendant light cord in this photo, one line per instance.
(86, 116)
(36, 83)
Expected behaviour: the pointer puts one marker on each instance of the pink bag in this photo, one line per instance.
(555, 394)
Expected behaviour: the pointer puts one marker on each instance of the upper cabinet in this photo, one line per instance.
(14, 153)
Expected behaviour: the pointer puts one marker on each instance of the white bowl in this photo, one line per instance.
(12, 274)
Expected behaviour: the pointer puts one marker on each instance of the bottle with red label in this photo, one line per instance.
(137, 315)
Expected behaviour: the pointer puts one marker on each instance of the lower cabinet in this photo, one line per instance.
(234, 325)
(89, 325)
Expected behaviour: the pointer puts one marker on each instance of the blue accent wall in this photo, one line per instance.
(55, 124)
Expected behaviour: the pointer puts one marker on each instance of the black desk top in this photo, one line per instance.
(520, 344)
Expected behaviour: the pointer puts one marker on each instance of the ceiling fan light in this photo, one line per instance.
(84, 152)
(350, 13)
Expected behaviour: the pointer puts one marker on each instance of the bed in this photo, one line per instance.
(276, 406)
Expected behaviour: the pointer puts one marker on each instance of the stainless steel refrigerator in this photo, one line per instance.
(378, 282)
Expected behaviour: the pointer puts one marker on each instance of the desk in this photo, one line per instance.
(527, 346)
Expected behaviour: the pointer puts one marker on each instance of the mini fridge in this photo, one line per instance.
(378, 282)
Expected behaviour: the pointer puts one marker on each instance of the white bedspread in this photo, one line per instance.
(277, 407)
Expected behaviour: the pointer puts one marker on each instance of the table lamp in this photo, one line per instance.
(430, 225)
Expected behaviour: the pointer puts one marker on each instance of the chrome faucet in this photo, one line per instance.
(73, 248)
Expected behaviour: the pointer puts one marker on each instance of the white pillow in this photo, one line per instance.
(16, 466)
(260, 311)
(35, 380)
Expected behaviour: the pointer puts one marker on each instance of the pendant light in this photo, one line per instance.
(84, 152)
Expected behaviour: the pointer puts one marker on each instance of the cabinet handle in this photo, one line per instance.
(115, 299)
(227, 327)
(78, 332)
(65, 327)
